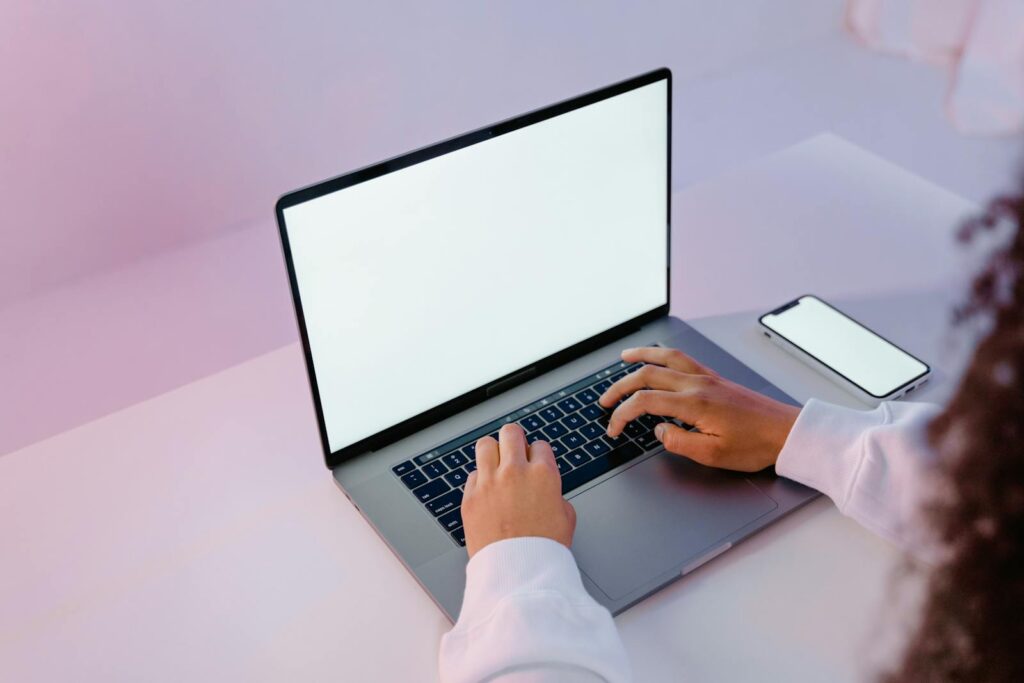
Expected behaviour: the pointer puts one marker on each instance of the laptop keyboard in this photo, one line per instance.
(571, 420)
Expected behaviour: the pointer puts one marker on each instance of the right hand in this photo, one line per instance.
(515, 491)
(740, 429)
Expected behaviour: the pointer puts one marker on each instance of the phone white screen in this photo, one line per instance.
(852, 350)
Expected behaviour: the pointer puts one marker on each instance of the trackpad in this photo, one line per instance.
(658, 516)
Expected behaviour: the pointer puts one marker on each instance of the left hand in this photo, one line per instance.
(515, 491)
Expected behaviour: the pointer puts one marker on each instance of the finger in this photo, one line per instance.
(647, 377)
(487, 456)
(540, 453)
(669, 358)
(570, 512)
(512, 445)
(693, 445)
(470, 484)
(676, 404)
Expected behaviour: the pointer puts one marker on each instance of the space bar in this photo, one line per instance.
(598, 466)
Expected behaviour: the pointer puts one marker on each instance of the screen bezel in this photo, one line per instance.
(796, 301)
(511, 379)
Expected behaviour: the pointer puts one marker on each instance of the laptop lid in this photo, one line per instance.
(425, 284)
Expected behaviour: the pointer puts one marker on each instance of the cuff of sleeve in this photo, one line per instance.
(825, 448)
(518, 565)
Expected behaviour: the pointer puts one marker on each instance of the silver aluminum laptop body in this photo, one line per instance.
(640, 526)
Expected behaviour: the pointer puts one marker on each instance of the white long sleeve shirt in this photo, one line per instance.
(526, 617)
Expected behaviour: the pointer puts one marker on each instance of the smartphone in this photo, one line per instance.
(854, 357)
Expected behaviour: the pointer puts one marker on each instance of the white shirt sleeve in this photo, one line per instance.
(876, 466)
(526, 618)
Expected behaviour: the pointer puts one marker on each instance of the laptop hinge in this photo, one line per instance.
(512, 381)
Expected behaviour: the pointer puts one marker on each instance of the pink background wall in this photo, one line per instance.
(132, 127)
(142, 146)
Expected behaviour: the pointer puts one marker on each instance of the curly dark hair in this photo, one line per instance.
(972, 624)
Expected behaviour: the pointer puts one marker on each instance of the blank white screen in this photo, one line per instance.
(428, 282)
(853, 351)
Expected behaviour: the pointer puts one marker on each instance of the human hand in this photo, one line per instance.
(515, 491)
(740, 429)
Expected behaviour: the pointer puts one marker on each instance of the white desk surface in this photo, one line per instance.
(197, 536)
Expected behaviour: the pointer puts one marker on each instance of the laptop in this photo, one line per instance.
(495, 277)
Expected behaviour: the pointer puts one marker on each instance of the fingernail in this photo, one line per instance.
(659, 432)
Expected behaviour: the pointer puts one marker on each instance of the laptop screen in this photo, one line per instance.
(424, 283)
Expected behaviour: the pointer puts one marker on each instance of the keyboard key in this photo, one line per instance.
(535, 436)
(551, 414)
(649, 421)
(432, 490)
(563, 466)
(624, 453)
(426, 457)
(434, 469)
(581, 475)
(445, 503)
(633, 368)
(634, 429)
(617, 441)
(573, 440)
(591, 431)
(459, 536)
(647, 441)
(451, 520)
(616, 377)
(577, 458)
(574, 421)
(414, 479)
(570, 405)
(403, 467)
(554, 430)
(532, 423)
(456, 477)
(455, 459)
(470, 466)
(598, 466)
(593, 411)
(602, 387)
(597, 447)
(558, 448)
(587, 396)
(469, 450)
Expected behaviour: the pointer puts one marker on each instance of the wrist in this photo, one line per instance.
(477, 542)
(782, 426)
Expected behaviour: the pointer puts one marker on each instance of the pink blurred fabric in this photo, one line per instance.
(981, 42)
